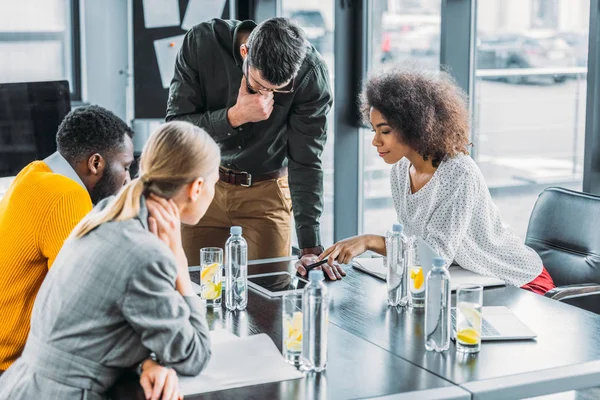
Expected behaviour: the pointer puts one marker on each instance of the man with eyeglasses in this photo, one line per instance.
(263, 93)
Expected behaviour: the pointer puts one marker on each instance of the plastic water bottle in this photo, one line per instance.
(315, 309)
(236, 270)
(396, 245)
(437, 307)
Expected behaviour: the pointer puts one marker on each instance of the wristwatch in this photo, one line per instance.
(152, 357)
(311, 250)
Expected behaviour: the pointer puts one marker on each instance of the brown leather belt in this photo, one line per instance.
(246, 179)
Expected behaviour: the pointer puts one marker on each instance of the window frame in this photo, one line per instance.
(591, 160)
(75, 47)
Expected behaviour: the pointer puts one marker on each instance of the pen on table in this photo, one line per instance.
(315, 265)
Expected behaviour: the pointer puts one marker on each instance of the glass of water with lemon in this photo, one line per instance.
(469, 303)
(416, 278)
(292, 328)
(211, 273)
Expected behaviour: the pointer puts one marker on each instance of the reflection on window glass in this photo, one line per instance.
(402, 32)
(406, 31)
(316, 18)
(35, 41)
(529, 108)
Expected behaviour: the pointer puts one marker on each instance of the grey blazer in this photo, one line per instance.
(107, 302)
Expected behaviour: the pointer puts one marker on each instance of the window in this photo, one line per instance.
(39, 42)
(544, 13)
(406, 31)
(529, 105)
(528, 113)
(316, 19)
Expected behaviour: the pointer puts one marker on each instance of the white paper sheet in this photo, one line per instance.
(200, 11)
(240, 362)
(221, 335)
(166, 53)
(161, 13)
(458, 275)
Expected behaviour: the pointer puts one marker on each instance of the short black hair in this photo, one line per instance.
(277, 47)
(88, 130)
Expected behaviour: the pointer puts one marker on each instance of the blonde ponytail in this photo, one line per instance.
(125, 206)
(177, 153)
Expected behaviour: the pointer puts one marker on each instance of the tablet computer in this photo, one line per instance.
(276, 284)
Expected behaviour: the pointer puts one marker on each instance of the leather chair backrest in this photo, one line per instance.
(564, 229)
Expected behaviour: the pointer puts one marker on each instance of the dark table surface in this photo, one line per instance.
(375, 349)
(566, 335)
(356, 367)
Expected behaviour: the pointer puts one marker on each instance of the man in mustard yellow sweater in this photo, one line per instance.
(45, 202)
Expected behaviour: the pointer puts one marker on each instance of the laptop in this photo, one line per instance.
(458, 275)
(499, 323)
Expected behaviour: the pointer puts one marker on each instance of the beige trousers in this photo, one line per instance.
(263, 210)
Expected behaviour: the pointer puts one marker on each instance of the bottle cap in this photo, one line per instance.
(397, 228)
(235, 230)
(439, 262)
(315, 275)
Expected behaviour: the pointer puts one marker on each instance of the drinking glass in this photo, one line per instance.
(469, 303)
(211, 272)
(416, 282)
(291, 346)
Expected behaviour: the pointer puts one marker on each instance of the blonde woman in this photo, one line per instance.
(120, 289)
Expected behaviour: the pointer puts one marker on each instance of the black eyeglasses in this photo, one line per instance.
(263, 90)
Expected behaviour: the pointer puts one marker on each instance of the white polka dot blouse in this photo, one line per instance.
(455, 214)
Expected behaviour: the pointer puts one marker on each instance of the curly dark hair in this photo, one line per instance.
(88, 130)
(427, 109)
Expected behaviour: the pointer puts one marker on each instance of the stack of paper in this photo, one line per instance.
(238, 362)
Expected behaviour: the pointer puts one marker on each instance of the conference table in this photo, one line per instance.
(377, 351)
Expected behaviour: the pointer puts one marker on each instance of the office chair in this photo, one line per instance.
(564, 229)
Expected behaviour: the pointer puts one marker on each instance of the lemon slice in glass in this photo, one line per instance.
(212, 291)
(209, 272)
(468, 336)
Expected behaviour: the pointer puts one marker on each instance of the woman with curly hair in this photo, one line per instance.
(421, 126)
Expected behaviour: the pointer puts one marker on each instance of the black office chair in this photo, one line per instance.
(564, 229)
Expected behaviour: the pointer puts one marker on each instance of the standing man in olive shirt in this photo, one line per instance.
(263, 93)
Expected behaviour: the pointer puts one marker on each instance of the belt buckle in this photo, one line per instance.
(248, 179)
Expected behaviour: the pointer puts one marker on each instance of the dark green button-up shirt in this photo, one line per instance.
(207, 78)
